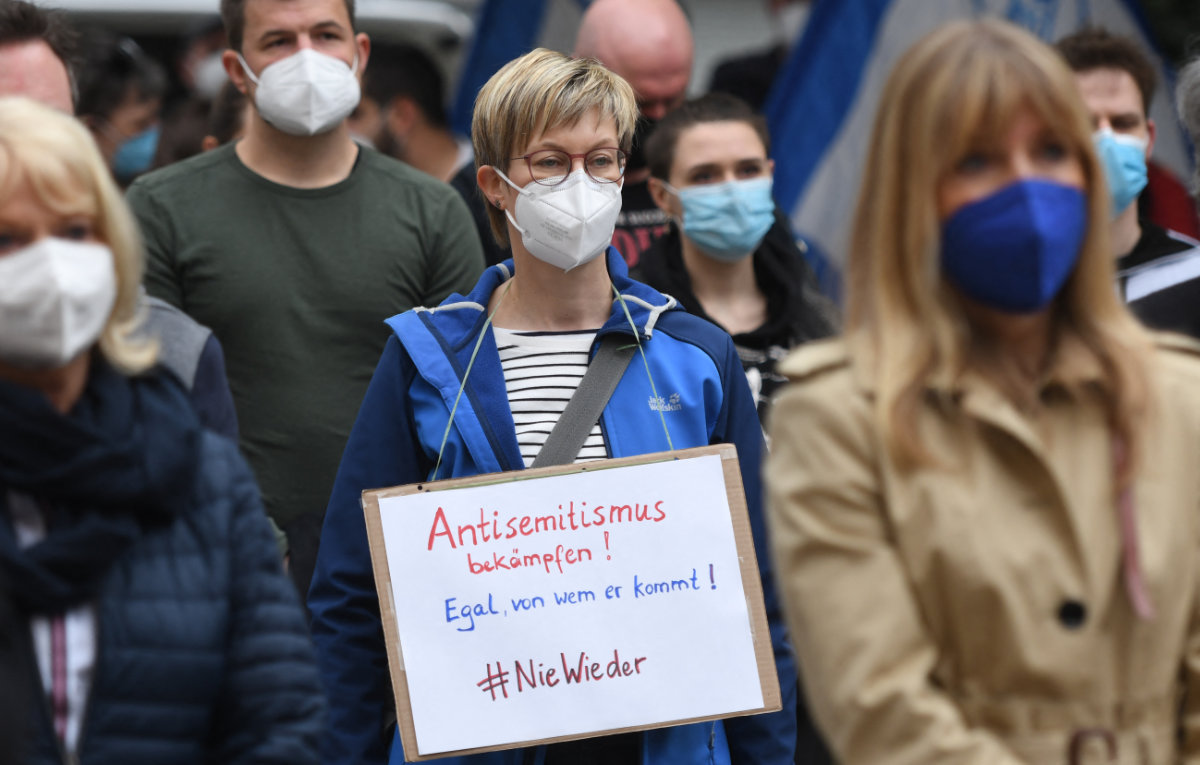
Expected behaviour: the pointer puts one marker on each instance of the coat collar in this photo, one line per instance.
(1073, 365)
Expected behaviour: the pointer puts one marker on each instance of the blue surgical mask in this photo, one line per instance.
(727, 220)
(135, 155)
(1014, 250)
(1123, 158)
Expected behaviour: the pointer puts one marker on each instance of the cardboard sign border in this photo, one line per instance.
(751, 587)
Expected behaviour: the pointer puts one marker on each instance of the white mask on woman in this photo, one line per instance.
(569, 224)
(55, 298)
(306, 93)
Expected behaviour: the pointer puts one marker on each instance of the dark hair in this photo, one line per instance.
(112, 66)
(228, 113)
(233, 14)
(1097, 48)
(407, 71)
(182, 133)
(713, 107)
(25, 22)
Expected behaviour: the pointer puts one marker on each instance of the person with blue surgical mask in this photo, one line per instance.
(1117, 83)
(729, 255)
(120, 100)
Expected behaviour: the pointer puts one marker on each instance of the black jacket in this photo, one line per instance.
(796, 311)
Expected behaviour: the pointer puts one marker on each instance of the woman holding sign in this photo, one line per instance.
(984, 496)
(454, 394)
(157, 624)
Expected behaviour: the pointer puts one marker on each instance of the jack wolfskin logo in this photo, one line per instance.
(669, 404)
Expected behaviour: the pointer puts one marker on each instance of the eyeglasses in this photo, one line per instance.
(550, 167)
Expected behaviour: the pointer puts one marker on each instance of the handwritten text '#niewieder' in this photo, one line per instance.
(530, 674)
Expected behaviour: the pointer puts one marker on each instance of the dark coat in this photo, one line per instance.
(202, 652)
(796, 310)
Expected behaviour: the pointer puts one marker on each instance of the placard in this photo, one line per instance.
(556, 603)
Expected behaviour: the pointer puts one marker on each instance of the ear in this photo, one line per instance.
(237, 75)
(400, 116)
(491, 185)
(665, 200)
(362, 44)
(209, 142)
(1152, 133)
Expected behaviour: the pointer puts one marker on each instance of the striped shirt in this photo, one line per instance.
(541, 372)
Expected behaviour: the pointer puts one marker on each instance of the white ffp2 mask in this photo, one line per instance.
(569, 224)
(209, 76)
(306, 93)
(55, 298)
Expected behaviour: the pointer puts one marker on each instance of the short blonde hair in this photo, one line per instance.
(957, 89)
(55, 155)
(538, 92)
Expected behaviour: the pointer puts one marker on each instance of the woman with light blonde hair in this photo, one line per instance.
(982, 498)
(132, 541)
(480, 384)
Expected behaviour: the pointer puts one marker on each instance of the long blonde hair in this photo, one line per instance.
(55, 155)
(958, 88)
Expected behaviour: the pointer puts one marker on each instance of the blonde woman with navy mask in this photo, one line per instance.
(984, 499)
(550, 135)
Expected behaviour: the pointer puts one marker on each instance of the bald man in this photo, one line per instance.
(649, 43)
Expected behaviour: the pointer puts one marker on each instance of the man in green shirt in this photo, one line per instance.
(294, 245)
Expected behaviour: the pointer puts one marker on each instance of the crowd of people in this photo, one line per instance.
(970, 497)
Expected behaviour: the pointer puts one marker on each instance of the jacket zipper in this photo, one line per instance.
(73, 759)
(35, 680)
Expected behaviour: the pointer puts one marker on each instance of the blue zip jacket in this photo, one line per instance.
(705, 400)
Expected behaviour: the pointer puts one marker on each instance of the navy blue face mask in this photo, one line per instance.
(1014, 250)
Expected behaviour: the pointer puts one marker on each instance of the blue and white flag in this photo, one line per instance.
(822, 105)
(504, 30)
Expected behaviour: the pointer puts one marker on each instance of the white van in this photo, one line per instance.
(443, 28)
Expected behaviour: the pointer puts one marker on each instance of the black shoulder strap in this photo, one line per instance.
(583, 410)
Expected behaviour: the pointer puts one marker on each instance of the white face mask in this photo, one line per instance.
(55, 298)
(209, 76)
(306, 93)
(569, 224)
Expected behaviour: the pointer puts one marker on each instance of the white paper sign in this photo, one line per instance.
(569, 604)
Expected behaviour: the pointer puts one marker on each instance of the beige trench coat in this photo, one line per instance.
(976, 612)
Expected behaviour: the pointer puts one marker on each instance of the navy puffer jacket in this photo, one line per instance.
(202, 651)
